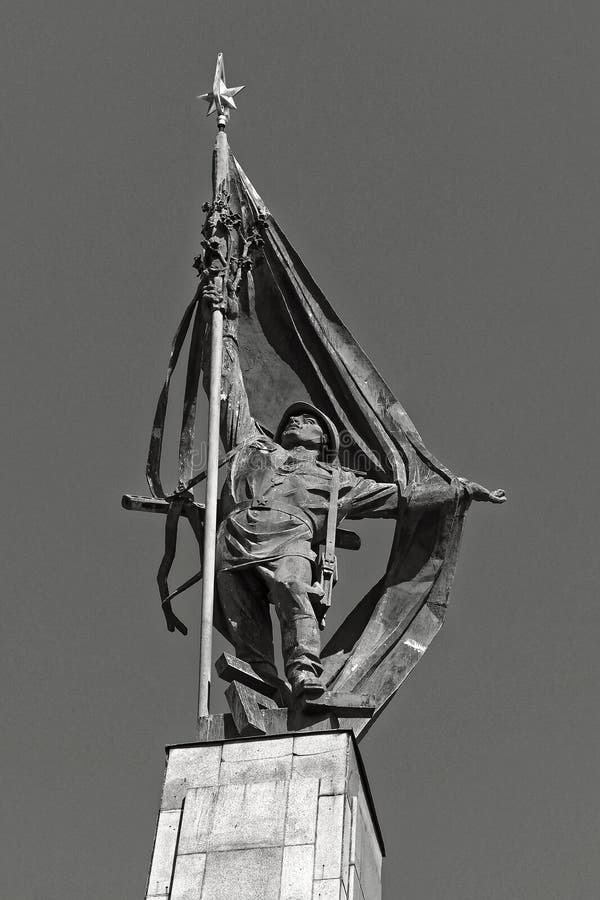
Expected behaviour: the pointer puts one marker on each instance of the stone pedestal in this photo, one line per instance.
(269, 818)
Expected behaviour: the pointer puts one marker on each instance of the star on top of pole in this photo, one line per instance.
(220, 99)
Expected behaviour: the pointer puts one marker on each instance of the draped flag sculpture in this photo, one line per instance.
(312, 435)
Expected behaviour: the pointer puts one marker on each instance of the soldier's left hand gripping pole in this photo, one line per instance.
(219, 253)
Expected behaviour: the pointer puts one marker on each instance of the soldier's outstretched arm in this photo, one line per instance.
(432, 495)
(366, 498)
(237, 423)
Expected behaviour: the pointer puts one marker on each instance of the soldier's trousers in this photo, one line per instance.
(244, 596)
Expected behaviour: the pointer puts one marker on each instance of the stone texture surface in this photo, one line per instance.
(234, 751)
(165, 845)
(329, 764)
(355, 891)
(247, 770)
(188, 877)
(297, 872)
(346, 841)
(301, 819)
(330, 830)
(287, 818)
(367, 860)
(243, 875)
(229, 816)
(328, 889)
(189, 769)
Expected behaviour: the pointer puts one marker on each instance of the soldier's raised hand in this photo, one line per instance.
(214, 298)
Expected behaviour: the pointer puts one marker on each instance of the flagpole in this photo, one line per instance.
(220, 99)
(210, 519)
(220, 167)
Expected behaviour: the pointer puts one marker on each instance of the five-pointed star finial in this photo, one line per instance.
(221, 97)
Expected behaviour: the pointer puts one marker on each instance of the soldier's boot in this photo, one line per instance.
(307, 686)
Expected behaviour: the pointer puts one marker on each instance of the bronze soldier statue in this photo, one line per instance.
(271, 540)
(274, 514)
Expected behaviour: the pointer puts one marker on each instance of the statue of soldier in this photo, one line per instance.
(274, 510)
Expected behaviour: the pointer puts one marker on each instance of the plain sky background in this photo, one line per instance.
(436, 165)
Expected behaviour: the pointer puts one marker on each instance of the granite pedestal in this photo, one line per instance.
(268, 818)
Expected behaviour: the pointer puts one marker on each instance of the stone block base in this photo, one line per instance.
(269, 818)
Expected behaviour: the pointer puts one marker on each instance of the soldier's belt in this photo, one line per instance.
(293, 511)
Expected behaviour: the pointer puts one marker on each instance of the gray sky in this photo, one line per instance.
(436, 164)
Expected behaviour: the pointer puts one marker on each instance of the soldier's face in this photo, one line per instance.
(302, 430)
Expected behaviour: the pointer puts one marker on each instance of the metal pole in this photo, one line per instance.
(220, 168)
(210, 520)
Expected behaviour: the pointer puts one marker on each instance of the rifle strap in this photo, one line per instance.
(332, 513)
(328, 561)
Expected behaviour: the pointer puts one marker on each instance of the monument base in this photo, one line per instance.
(267, 818)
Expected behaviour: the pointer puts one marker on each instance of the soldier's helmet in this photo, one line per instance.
(331, 447)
